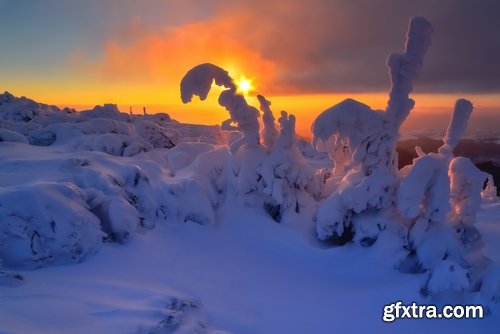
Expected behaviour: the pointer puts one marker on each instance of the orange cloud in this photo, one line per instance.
(141, 55)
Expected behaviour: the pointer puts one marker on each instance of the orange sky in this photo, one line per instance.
(304, 107)
(302, 57)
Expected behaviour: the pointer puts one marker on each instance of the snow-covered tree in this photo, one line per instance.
(489, 193)
(362, 141)
(274, 174)
(269, 131)
(466, 187)
(198, 81)
(285, 178)
(439, 196)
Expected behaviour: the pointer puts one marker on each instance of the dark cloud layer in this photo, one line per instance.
(342, 45)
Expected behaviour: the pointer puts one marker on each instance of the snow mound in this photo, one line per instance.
(59, 207)
(50, 228)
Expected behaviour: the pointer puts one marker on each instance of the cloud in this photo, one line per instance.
(342, 45)
(142, 54)
(311, 46)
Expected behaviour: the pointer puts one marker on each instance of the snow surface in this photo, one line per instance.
(247, 274)
(186, 252)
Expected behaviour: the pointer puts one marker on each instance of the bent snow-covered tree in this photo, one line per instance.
(362, 142)
(198, 81)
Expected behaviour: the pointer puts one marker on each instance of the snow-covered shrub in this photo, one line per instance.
(113, 144)
(425, 191)
(344, 131)
(199, 187)
(447, 275)
(466, 187)
(112, 197)
(106, 111)
(439, 196)
(103, 128)
(12, 136)
(184, 154)
(153, 134)
(185, 200)
(22, 109)
(284, 177)
(46, 222)
(489, 193)
(362, 141)
(213, 170)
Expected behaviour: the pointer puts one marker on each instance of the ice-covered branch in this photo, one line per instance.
(466, 186)
(198, 81)
(456, 128)
(404, 69)
(246, 116)
(287, 134)
(489, 193)
(346, 129)
(269, 132)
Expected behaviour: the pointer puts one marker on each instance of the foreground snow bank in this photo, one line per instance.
(50, 227)
(57, 206)
(245, 275)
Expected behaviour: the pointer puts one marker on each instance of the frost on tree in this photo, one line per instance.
(286, 181)
(489, 193)
(274, 175)
(362, 142)
(439, 196)
(269, 132)
(423, 197)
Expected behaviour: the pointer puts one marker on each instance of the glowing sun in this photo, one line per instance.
(244, 85)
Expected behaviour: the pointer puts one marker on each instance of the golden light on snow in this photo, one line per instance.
(244, 85)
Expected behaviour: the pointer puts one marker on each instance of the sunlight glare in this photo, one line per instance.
(244, 85)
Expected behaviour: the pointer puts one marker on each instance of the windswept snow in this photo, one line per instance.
(246, 275)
